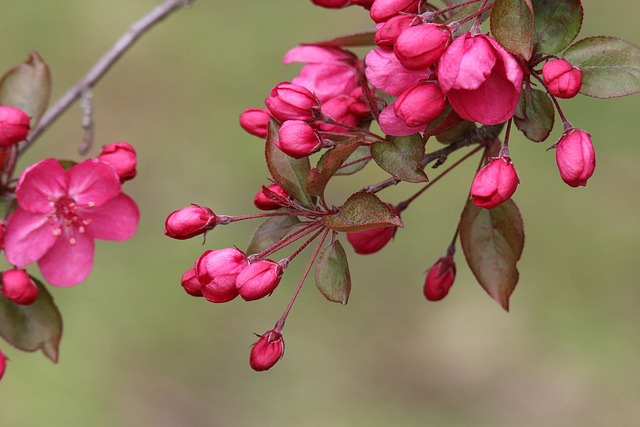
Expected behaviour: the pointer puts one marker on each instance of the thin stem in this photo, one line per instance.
(285, 262)
(288, 240)
(428, 16)
(475, 29)
(103, 65)
(566, 124)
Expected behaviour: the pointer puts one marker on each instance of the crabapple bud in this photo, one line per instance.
(440, 278)
(420, 104)
(266, 351)
(371, 241)
(389, 31)
(122, 157)
(255, 121)
(14, 126)
(3, 364)
(364, 3)
(191, 284)
(18, 287)
(338, 109)
(383, 10)
(289, 101)
(331, 4)
(217, 272)
(2, 231)
(298, 139)
(259, 279)
(263, 202)
(562, 79)
(494, 183)
(575, 157)
(421, 46)
(189, 222)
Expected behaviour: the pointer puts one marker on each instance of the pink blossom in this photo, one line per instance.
(14, 126)
(298, 139)
(494, 183)
(389, 31)
(266, 203)
(3, 364)
(61, 212)
(576, 157)
(338, 109)
(421, 46)
(259, 279)
(391, 124)
(563, 80)
(122, 156)
(189, 222)
(18, 287)
(481, 79)
(383, 10)
(191, 284)
(217, 272)
(440, 278)
(420, 104)
(288, 101)
(331, 4)
(266, 351)
(371, 241)
(255, 121)
(385, 72)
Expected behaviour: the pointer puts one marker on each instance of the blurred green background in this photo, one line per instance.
(138, 351)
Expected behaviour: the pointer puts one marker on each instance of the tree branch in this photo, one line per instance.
(103, 65)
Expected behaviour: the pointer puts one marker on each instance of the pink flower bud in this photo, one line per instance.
(331, 4)
(255, 121)
(494, 183)
(14, 126)
(421, 46)
(481, 80)
(563, 80)
(389, 31)
(298, 139)
(2, 231)
(191, 284)
(189, 222)
(259, 279)
(338, 109)
(289, 101)
(420, 104)
(3, 364)
(575, 157)
(358, 106)
(364, 3)
(383, 10)
(264, 202)
(18, 287)
(440, 278)
(218, 270)
(122, 157)
(267, 351)
(371, 241)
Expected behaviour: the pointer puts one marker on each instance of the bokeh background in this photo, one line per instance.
(138, 351)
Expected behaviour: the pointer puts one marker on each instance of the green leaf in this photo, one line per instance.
(492, 241)
(557, 23)
(534, 115)
(356, 161)
(287, 172)
(610, 66)
(328, 165)
(361, 38)
(360, 212)
(272, 230)
(333, 279)
(512, 26)
(401, 157)
(456, 133)
(32, 327)
(27, 86)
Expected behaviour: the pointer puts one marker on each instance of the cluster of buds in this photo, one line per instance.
(430, 73)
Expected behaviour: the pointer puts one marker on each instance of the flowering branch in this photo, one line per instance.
(103, 65)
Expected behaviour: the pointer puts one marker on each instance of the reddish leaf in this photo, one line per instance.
(272, 230)
(333, 279)
(287, 172)
(556, 24)
(534, 115)
(327, 167)
(362, 211)
(492, 241)
(32, 327)
(512, 26)
(610, 66)
(401, 157)
(27, 86)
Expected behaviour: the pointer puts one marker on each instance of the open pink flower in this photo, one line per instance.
(61, 212)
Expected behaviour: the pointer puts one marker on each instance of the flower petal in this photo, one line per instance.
(391, 124)
(28, 237)
(115, 220)
(38, 183)
(94, 182)
(67, 264)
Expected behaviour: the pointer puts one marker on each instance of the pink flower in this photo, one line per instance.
(371, 241)
(191, 284)
(288, 101)
(259, 279)
(266, 203)
(421, 46)
(338, 109)
(494, 183)
(385, 72)
(331, 4)
(575, 157)
(383, 10)
(389, 31)
(420, 104)
(481, 79)
(217, 272)
(18, 287)
(14, 126)
(440, 278)
(3, 364)
(61, 212)
(122, 156)
(563, 80)
(298, 139)
(266, 351)
(255, 121)
(391, 124)
(189, 222)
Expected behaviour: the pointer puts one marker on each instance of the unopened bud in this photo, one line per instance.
(298, 139)
(389, 31)
(18, 287)
(420, 104)
(575, 157)
(383, 10)
(122, 156)
(562, 79)
(14, 126)
(189, 222)
(440, 278)
(218, 270)
(264, 202)
(494, 183)
(289, 101)
(255, 121)
(259, 279)
(421, 46)
(266, 351)
(191, 284)
(371, 241)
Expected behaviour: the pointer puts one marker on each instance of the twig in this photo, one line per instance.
(103, 65)
(86, 101)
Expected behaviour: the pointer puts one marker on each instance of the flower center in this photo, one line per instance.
(65, 215)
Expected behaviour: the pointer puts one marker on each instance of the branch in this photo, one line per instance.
(103, 65)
